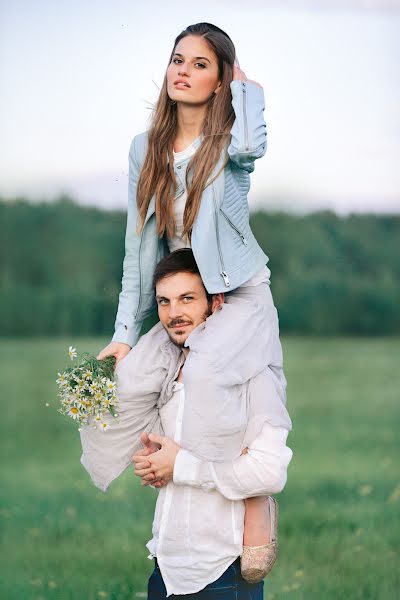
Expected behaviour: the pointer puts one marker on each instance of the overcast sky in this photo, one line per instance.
(77, 77)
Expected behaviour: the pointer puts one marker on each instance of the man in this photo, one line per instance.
(199, 518)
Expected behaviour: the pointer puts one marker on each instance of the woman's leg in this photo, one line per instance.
(257, 522)
(235, 344)
(242, 338)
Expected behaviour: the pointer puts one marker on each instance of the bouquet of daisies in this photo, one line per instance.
(88, 391)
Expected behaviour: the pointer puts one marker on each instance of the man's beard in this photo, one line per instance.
(179, 343)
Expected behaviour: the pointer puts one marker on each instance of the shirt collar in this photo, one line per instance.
(196, 143)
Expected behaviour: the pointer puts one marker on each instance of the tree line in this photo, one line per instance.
(61, 269)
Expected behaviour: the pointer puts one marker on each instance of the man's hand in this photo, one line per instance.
(149, 448)
(159, 466)
(149, 445)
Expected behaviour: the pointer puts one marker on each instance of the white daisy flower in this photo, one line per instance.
(82, 403)
(62, 380)
(110, 385)
(104, 426)
(74, 412)
(72, 353)
(88, 374)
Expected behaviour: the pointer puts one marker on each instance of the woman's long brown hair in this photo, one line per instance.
(157, 174)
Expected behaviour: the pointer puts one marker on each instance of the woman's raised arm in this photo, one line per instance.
(249, 130)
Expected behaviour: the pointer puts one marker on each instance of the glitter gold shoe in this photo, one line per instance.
(257, 561)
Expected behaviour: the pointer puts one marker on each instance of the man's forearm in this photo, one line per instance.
(261, 471)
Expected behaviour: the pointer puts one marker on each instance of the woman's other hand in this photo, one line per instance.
(239, 74)
(117, 349)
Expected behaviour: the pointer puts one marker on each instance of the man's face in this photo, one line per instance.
(182, 304)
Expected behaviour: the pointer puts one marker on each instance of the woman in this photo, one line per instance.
(188, 184)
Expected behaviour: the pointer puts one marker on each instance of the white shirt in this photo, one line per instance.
(199, 516)
(178, 241)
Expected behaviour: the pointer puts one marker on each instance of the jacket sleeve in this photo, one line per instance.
(248, 133)
(127, 330)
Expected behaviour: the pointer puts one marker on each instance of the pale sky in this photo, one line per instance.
(77, 77)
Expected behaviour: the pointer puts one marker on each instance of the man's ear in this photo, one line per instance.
(218, 300)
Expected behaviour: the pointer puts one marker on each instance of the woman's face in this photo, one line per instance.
(194, 63)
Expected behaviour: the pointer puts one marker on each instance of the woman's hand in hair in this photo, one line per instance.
(239, 74)
(117, 349)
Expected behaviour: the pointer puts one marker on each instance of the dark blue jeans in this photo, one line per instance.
(230, 586)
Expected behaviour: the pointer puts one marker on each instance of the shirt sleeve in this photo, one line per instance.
(262, 471)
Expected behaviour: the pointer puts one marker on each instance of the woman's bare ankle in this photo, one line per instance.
(257, 522)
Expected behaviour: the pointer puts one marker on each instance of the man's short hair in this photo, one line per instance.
(178, 261)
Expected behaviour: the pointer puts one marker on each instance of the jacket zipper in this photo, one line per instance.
(245, 116)
(179, 194)
(223, 272)
(245, 242)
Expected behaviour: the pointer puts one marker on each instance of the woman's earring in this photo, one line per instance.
(172, 101)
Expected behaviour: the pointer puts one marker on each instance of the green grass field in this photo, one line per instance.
(339, 527)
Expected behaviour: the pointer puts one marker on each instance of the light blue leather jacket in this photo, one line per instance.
(223, 244)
